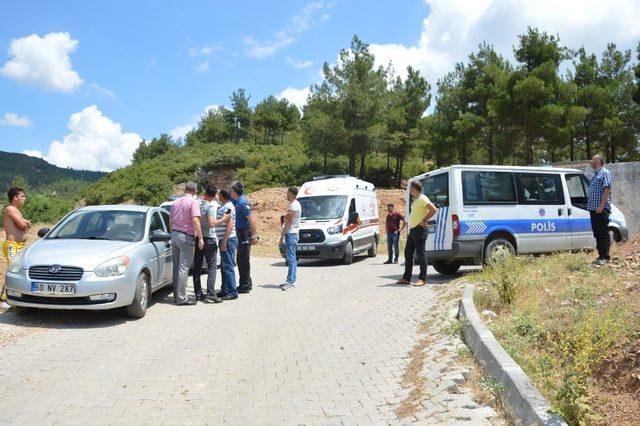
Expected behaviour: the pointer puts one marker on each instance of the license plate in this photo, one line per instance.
(53, 288)
(306, 248)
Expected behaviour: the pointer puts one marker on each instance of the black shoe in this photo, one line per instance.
(388, 262)
(220, 294)
(395, 261)
(200, 297)
(229, 297)
(214, 299)
(189, 302)
(244, 290)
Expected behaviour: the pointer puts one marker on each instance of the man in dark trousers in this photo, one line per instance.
(395, 224)
(422, 209)
(599, 206)
(247, 235)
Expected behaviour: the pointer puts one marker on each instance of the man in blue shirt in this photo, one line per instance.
(599, 206)
(247, 236)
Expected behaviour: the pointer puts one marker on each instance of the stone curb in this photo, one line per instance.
(525, 405)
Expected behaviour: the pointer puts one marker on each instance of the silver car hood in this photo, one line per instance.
(85, 254)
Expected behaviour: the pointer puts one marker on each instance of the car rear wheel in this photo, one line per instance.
(348, 253)
(373, 251)
(445, 267)
(497, 248)
(138, 308)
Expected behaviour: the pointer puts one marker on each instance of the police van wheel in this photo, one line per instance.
(498, 248)
(348, 253)
(615, 235)
(446, 267)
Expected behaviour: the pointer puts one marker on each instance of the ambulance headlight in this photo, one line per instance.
(334, 230)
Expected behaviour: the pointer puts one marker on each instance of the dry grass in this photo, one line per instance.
(567, 319)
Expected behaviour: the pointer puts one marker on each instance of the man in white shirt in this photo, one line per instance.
(208, 210)
(290, 236)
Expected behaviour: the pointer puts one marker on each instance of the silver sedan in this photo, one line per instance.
(98, 257)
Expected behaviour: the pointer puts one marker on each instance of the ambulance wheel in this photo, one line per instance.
(445, 267)
(497, 248)
(348, 253)
(373, 251)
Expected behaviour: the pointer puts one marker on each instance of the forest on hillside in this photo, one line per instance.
(555, 103)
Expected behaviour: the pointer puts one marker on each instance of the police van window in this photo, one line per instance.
(577, 191)
(488, 187)
(166, 219)
(539, 188)
(436, 188)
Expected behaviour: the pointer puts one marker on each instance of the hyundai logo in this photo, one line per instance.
(54, 269)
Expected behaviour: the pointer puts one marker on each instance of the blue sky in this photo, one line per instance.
(81, 81)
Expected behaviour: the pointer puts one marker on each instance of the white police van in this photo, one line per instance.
(339, 219)
(483, 210)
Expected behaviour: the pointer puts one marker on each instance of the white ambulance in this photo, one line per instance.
(486, 210)
(339, 219)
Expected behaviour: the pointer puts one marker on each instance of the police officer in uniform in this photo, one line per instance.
(247, 236)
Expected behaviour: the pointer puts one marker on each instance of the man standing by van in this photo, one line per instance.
(290, 235)
(186, 232)
(395, 224)
(247, 235)
(208, 210)
(599, 206)
(15, 229)
(422, 209)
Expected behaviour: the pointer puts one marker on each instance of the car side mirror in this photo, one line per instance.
(43, 231)
(159, 236)
(354, 217)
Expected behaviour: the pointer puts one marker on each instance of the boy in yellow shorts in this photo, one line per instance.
(15, 229)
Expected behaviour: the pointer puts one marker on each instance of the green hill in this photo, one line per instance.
(39, 174)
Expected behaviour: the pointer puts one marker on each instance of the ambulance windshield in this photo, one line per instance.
(323, 207)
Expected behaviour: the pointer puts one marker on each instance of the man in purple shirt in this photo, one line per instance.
(185, 234)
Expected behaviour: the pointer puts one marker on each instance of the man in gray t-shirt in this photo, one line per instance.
(208, 209)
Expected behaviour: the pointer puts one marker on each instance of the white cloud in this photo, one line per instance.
(14, 120)
(311, 14)
(43, 62)
(455, 28)
(103, 91)
(181, 131)
(202, 66)
(298, 97)
(204, 50)
(94, 143)
(298, 64)
(33, 153)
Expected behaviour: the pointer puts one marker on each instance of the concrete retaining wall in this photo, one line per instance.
(626, 189)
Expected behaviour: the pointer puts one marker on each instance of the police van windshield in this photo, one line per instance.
(323, 207)
(437, 189)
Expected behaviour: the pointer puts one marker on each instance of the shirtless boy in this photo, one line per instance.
(15, 228)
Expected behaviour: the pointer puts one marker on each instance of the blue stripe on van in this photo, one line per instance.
(441, 227)
(524, 226)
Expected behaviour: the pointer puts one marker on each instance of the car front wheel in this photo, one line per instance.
(138, 308)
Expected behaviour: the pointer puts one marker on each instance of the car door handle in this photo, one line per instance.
(560, 212)
(569, 212)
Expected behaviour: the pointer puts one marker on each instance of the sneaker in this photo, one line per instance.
(213, 298)
(229, 297)
(283, 284)
(395, 261)
(599, 262)
(4, 305)
(288, 286)
(419, 283)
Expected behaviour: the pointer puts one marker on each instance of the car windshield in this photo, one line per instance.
(101, 225)
(323, 207)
